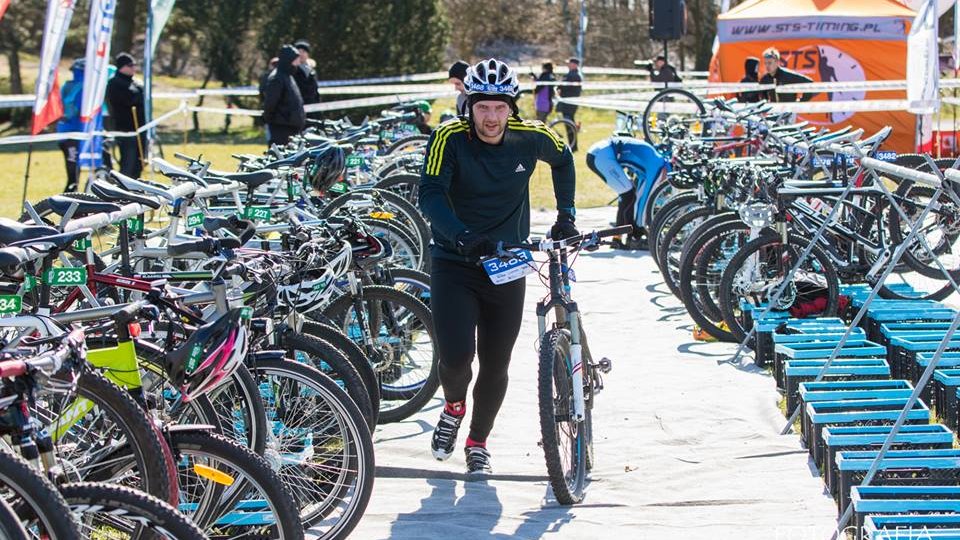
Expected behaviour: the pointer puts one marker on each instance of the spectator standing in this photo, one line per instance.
(125, 102)
(282, 103)
(456, 73)
(72, 95)
(272, 65)
(306, 75)
(661, 71)
(751, 68)
(568, 110)
(543, 94)
(779, 75)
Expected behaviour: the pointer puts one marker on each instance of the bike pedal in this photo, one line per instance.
(605, 365)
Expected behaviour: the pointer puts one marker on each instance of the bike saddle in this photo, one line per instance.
(54, 242)
(172, 171)
(60, 205)
(112, 193)
(313, 138)
(12, 231)
(11, 258)
(252, 179)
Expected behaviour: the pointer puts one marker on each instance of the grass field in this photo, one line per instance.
(47, 176)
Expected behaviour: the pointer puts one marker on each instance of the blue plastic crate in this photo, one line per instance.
(898, 467)
(796, 372)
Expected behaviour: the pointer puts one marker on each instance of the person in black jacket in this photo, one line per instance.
(305, 75)
(661, 71)
(282, 103)
(569, 110)
(456, 73)
(751, 67)
(125, 103)
(779, 75)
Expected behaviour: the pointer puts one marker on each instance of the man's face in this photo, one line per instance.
(128, 70)
(297, 61)
(660, 63)
(490, 118)
(457, 84)
(771, 64)
(573, 66)
(304, 55)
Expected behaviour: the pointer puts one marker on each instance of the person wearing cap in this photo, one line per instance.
(282, 103)
(568, 110)
(475, 191)
(456, 73)
(72, 95)
(125, 102)
(305, 74)
(779, 75)
(661, 71)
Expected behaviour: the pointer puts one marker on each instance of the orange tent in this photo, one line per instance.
(826, 40)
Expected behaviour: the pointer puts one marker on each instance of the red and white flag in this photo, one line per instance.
(98, 57)
(4, 4)
(48, 106)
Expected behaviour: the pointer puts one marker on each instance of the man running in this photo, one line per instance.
(475, 191)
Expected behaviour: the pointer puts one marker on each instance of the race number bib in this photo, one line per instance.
(504, 271)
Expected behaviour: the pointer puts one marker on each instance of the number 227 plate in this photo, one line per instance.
(504, 271)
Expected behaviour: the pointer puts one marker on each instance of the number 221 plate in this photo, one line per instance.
(504, 271)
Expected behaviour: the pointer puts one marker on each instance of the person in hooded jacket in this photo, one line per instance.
(306, 75)
(751, 68)
(125, 101)
(282, 103)
(72, 95)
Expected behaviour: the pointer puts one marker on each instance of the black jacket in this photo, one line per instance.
(665, 75)
(123, 93)
(306, 78)
(467, 184)
(786, 76)
(571, 91)
(282, 103)
(750, 68)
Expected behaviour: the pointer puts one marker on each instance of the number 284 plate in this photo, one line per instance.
(504, 271)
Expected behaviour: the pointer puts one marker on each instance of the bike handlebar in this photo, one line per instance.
(553, 245)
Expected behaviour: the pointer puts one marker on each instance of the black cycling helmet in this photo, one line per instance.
(326, 169)
(211, 354)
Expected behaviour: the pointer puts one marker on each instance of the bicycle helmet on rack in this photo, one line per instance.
(326, 169)
(306, 289)
(211, 354)
(492, 79)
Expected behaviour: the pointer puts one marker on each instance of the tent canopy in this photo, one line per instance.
(766, 9)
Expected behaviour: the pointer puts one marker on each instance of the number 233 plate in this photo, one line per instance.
(504, 271)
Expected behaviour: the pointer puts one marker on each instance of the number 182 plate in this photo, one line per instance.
(504, 271)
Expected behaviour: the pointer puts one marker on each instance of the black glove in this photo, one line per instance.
(564, 227)
(475, 246)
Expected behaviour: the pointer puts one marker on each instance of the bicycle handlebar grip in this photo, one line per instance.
(128, 312)
(184, 157)
(204, 245)
(616, 231)
(181, 190)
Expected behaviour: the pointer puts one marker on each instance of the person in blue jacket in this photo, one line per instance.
(72, 95)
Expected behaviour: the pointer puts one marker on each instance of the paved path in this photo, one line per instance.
(685, 448)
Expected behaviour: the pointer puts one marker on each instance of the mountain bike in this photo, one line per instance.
(568, 377)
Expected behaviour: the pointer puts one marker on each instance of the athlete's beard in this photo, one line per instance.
(491, 129)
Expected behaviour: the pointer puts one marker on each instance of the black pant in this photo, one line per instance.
(280, 134)
(130, 158)
(471, 314)
(71, 156)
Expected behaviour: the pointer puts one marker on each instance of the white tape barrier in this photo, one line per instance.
(370, 102)
(442, 75)
(808, 107)
(80, 135)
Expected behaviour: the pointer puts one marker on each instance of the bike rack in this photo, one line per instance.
(943, 182)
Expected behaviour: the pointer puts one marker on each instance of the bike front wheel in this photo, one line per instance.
(564, 438)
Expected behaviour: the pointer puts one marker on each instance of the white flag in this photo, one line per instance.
(48, 106)
(98, 57)
(161, 12)
(923, 62)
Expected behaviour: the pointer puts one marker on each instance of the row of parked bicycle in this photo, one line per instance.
(207, 356)
(775, 234)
